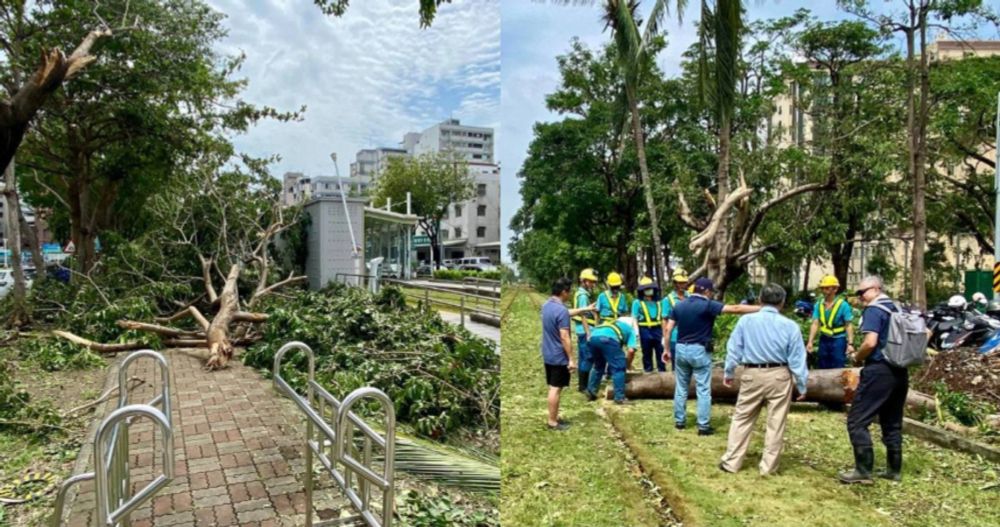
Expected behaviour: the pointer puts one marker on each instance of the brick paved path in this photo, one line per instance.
(238, 447)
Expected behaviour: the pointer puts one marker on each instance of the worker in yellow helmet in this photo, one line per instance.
(832, 320)
(612, 304)
(583, 323)
(647, 310)
(680, 292)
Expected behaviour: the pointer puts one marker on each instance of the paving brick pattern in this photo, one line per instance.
(238, 453)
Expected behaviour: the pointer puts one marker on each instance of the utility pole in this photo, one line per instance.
(996, 212)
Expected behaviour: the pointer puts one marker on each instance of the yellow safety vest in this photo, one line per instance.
(592, 318)
(616, 329)
(672, 298)
(650, 322)
(615, 304)
(826, 319)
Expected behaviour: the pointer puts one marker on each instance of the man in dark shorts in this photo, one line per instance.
(557, 350)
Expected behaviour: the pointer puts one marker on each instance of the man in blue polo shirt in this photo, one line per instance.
(557, 352)
(881, 391)
(694, 318)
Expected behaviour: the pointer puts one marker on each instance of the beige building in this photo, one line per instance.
(790, 125)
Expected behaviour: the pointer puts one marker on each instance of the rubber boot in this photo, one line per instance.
(583, 377)
(864, 459)
(894, 464)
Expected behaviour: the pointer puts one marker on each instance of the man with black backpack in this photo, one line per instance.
(893, 340)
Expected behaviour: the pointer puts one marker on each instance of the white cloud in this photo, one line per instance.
(366, 78)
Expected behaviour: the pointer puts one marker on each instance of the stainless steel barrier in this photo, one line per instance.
(113, 483)
(330, 427)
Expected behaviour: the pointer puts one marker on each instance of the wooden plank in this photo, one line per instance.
(949, 440)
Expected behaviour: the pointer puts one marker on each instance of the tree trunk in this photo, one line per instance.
(31, 237)
(919, 144)
(647, 185)
(829, 386)
(718, 247)
(12, 228)
(220, 347)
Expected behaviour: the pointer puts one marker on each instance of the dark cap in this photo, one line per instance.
(704, 284)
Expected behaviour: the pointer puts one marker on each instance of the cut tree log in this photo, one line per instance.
(949, 440)
(829, 386)
(97, 346)
(160, 330)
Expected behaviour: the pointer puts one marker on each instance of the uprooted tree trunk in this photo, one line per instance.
(828, 386)
(725, 239)
(230, 325)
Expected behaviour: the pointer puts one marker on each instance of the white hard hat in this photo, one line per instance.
(957, 301)
(979, 298)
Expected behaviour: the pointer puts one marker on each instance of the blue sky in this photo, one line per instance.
(535, 33)
(366, 78)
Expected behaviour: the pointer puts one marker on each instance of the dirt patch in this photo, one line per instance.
(963, 370)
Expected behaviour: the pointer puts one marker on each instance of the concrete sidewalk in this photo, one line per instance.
(483, 330)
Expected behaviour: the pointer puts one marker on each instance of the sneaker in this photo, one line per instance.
(680, 426)
(622, 402)
(591, 396)
(561, 427)
(723, 468)
(706, 431)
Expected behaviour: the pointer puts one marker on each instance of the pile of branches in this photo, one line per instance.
(441, 377)
(963, 370)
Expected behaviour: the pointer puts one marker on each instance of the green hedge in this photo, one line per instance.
(454, 274)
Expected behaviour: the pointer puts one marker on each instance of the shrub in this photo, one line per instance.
(455, 274)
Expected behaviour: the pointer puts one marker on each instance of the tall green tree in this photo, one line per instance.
(428, 8)
(146, 113)
(433, 182)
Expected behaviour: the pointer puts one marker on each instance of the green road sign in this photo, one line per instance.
(421, 240)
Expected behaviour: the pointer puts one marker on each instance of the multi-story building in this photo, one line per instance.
(297, 187)
(472, 227)
(792, 125)
(473, 144)
(370, 162)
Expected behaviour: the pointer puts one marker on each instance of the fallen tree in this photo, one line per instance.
(227, 222)
(826, 386)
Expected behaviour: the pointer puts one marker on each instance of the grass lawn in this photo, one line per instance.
(577, 477)
(545, 474)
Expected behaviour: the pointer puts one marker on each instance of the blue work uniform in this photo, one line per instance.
(695, 317)
(606, 341)
(669, 302)
(609, 308)
(649, 315)
(584, 360)
(832, 333)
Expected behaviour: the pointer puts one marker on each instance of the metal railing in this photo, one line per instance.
(112, 476)
(466, 303)
(330, 427)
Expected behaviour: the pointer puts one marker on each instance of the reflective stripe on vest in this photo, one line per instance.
(616, 329)
(591, 317)
(615, 304)
(649, 322)
(826, 319)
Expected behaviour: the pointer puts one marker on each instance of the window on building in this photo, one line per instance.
(477, 156)
(444, 234)
(481, 232)
(481, 210)
(458, 232)
(458, 211)
(481, 189)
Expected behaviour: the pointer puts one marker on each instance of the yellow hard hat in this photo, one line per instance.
(645, 280)
(829, 281)
(691, 288)
(680, 275)
(614, 279)
(588, 274)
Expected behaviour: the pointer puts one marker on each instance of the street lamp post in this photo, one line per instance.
(996, 212)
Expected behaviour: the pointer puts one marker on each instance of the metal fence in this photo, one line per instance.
(330, 436)
(112, 478)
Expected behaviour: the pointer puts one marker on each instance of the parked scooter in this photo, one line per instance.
(956, 324)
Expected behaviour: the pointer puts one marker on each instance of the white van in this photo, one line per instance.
(477, 263)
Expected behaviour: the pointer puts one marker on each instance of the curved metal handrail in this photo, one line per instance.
(112, 454)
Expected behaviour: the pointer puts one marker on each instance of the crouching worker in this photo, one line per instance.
(648, 311)
(769, 347)
(606, 343)
(557, 350)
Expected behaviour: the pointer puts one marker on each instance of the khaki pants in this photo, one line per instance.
(759, 386)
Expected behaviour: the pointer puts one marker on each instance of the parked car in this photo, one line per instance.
(7, 279)
(450, 264)
(477, 263)
(425, 269)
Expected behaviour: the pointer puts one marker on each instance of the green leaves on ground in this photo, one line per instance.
(442, 378)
